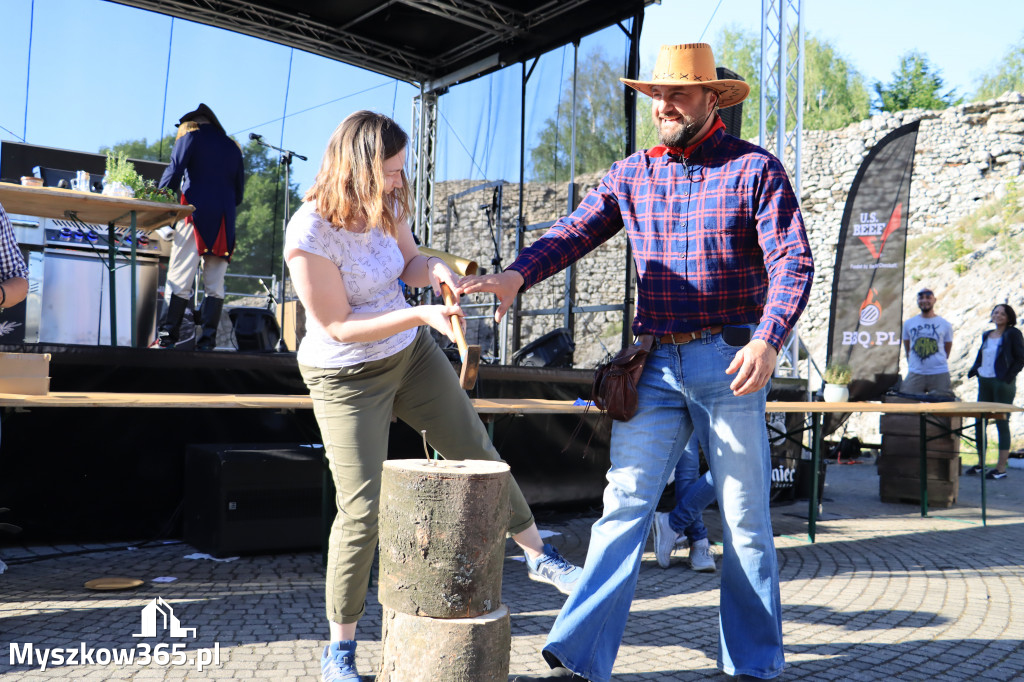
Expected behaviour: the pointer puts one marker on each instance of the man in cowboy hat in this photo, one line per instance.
(206, 165)
(723, 272)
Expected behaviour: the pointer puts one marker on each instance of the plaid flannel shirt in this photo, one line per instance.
(12, 264)
(717, 238)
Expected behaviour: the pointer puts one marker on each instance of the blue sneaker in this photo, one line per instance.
(553, 569)
(338, 663)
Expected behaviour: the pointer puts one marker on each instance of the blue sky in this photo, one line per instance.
(98, 73)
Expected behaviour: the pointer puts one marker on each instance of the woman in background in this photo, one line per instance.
(999, 360)
(367, 355)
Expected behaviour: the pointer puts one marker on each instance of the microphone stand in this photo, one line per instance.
(286, 161)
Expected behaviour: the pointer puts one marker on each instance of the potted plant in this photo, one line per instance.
(121, 179)
(836, 378)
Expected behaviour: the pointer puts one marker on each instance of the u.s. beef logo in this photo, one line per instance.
(873, 233)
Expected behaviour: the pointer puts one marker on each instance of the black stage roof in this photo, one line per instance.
(432, 43)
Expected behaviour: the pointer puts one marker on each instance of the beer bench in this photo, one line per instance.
(928, 413)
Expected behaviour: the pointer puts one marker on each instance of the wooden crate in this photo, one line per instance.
(899, 465)
(910, 425)
(943, 469)
(25, 373)
(897, 489)
(909, 446)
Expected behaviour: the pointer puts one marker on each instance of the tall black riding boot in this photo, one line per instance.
(168, 332)
(210, 316)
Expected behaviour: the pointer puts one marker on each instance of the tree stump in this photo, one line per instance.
(449, 650)
(442, 540)
(442, 536)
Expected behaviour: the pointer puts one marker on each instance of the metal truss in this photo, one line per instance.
(492, 27)
(295, 30)
(782, 82)
(424, 145)
(782, 113)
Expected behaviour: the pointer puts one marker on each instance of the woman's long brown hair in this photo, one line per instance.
(349, 189)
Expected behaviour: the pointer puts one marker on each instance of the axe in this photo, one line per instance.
(470, 355)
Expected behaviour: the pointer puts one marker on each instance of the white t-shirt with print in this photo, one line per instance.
(928, 337)
(370, 263)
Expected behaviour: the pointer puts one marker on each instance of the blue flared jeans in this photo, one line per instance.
(684, 389)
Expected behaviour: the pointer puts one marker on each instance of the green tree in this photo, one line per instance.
(600, 123)
(259, 221)
(835, 93)
(141, 149)
(259, 226)
(916, 84)
(740, 51)
(1009, 75)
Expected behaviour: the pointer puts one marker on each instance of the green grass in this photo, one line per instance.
(994, 218)
(969, 454)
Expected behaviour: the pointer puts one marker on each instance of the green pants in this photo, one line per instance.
(993, 390)
(353, 406)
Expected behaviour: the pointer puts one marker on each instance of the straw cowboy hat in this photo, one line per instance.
(691, 64)
(202, 111)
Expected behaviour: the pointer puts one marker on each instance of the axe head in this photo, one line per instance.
(470, 367)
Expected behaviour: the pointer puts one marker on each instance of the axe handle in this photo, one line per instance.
(460, 338)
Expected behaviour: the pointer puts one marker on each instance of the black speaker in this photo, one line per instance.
(554, 349)
(251, 499)
(732, 116)
(255, 329)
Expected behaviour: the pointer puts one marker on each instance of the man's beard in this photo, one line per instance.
(925, 307)
(683, 136)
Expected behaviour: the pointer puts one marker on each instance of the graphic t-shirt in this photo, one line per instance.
(369, 263)
(928, 337)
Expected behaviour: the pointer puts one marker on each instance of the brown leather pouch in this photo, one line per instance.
(615, 382)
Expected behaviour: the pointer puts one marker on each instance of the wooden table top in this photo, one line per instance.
(256, 401)
(89, 207)
(950, 409)
(482, 405)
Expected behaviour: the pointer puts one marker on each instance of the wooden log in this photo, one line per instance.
(442, 536)
(418, 648)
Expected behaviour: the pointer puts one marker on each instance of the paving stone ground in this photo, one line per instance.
(883, 594)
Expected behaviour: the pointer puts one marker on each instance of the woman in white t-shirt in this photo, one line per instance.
(999, 361)
(367, 355)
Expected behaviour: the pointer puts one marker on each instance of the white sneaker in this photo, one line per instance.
(664, 539)
(701, 558)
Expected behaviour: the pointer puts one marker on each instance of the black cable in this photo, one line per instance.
(140, 545)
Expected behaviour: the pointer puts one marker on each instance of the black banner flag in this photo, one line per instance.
(866, 317)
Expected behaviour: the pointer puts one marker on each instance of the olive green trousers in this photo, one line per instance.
(354, 408)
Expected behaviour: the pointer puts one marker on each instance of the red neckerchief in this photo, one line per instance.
(661, 149)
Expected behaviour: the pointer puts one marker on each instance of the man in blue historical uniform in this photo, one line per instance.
(206, 165)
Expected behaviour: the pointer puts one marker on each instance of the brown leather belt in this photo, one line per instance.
(680, 338)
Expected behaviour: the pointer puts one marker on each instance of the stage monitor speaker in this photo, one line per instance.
(253, 498)
(732, 116)
(255, 329)
(554, 349)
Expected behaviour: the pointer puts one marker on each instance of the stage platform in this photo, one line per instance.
(105, 473)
